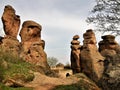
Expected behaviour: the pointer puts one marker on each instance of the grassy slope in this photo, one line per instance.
(13, 67)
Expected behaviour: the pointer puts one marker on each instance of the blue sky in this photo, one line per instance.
(60, 20)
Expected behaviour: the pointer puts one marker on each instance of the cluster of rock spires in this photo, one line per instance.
(100, 65)
(31, 47)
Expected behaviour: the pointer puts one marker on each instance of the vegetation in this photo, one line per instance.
(14, 68)
(106, 16)
(84, 83)
(52, 61)
(69, 87)
(3, 87)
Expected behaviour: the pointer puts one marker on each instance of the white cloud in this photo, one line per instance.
(60, 20)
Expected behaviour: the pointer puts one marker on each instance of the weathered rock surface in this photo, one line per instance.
(111, 75)
(110, 49)
(91, 60)
(108, 43)
(75, 54)
(10, 45)
(32, 45)
(11, 22)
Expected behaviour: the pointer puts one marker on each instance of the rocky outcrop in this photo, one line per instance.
(11, 22)
(111, 76)
(110, 49)
(75, 54)
(108, 46)
(91, 59)
(32, 47)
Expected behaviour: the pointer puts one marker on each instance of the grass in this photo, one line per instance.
(14, 67)
(69, 87)
(3, 87)
(84, 83)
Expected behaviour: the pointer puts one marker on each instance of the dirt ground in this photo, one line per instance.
(42, 82)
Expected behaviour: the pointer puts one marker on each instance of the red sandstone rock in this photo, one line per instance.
(109, 43)
(11, 22)
(75, 54)
(32, 45)
(91, 59)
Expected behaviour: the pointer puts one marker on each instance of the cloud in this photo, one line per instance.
(60, 19)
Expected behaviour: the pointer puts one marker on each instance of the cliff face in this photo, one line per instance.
(31, 47)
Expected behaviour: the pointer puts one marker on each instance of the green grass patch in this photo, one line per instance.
(14, 67)
(3, 87)
(69, 87)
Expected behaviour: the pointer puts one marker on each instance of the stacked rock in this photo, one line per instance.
(91, 59)
(75, 54)
(108, 46)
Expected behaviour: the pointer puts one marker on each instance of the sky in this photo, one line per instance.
(60, 20)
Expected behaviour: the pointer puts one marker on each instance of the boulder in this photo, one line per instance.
(91, 60)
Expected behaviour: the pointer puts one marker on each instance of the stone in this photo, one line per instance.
(11, 22)
(31, 31)
(92, 62)
(109, 43)
(32, 47)
(10, 45)
(75, 54)
(111, 76)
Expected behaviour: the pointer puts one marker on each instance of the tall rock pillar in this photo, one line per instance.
(32, 45)
(75, 55)
(91, 60)
(11, 24)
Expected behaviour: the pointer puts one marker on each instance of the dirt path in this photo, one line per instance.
(42, 82)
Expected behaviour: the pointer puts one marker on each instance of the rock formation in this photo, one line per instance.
(11, 22)
(91, 59)
(32, 47)
(75, 54)
(110, 49)
(108, 46)
(111, 76)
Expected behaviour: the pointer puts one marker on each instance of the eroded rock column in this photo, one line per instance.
(11, 24)
(32, 45)
(91, 59)
(75, 54)
(110, 49)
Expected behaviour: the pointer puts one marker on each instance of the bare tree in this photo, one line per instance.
(106, 16)
(52, 61)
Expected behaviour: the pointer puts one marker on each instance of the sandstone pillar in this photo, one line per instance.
(91, 60)
(75, 54)
(32, 45)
